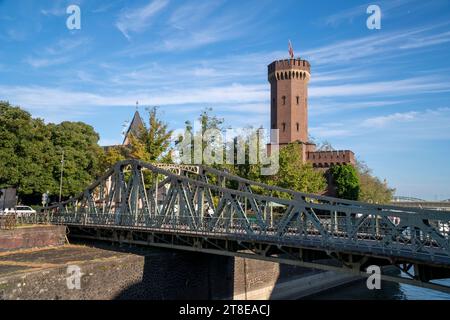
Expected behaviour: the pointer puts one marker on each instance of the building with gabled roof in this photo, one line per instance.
(135, 128)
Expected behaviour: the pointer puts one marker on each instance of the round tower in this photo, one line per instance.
(289, 99)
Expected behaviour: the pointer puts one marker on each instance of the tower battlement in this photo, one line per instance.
(288, 69)
(327, 159)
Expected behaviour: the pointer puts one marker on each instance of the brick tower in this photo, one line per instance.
(289, 111)
(289, 101)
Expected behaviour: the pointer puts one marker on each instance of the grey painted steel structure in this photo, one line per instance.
(198, 208)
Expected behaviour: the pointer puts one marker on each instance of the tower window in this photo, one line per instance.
(298, 126)
(284, 99)
(298, 99)
(284, 126)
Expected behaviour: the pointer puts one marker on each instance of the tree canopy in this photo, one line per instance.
(31, 153)
(373, 190)
(346, 181)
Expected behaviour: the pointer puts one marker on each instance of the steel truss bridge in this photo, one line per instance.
(197, 208)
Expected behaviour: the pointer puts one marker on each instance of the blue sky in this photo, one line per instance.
(382, 93)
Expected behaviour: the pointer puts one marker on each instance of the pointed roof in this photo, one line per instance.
(135, 127)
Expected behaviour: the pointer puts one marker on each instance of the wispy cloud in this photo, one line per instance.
(383, 121)
(433, 123)
(409, 86)
(378, 46)
(45, 62)
(138, 19)
(45, 97)
(58, 53)
(197, 24)
(391, 8)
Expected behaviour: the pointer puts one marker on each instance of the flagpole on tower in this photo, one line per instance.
(291, 50)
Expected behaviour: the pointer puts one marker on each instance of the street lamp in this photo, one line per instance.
(61, 178)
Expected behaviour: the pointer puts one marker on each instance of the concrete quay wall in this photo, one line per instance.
(115, 272)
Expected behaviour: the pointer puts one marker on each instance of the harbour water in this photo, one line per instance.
(388, 291)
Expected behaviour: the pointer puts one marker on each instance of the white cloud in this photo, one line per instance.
(57, 98)
(402, 127)
(45, 62)
(410, 86)
(382, 121)
(381, 45)
(60, 52)
(138, 19)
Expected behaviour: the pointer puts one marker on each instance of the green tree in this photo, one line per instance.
(31, 151)
(296, 175)
(152, 143)
(346, 181)
(207, 121)
(82, 155)
(26, 152)
(373, 190)
(111, 156)
(157, 139)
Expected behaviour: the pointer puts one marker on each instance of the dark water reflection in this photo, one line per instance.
(388, 291)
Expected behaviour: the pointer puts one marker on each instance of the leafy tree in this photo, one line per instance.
(30, 153)
(157, 139)
(150, 144)
(346, 181)
(136, 150)
(111, 156)
(25, 151)
(372, 189)
(82, 155)
(296, 175)
(207, 121)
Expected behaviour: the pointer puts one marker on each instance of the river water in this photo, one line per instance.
(388, 291)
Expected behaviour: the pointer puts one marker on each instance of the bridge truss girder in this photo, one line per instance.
(208, 205)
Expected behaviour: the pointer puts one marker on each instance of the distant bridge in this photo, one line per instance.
(197, 208)
(423, 204)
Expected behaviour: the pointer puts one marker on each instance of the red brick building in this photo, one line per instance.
(289, 111)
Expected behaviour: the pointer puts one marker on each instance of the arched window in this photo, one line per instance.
(298, 126)
(298, 99)
(282, 78)
(286, 75)
(284, 99)
(284, 126)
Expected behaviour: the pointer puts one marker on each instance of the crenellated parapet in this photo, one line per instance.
(289, 69)
(327, 159)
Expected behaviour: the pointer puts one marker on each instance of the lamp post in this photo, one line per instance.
(61, 178)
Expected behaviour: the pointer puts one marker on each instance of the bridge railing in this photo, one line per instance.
(373, 235)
